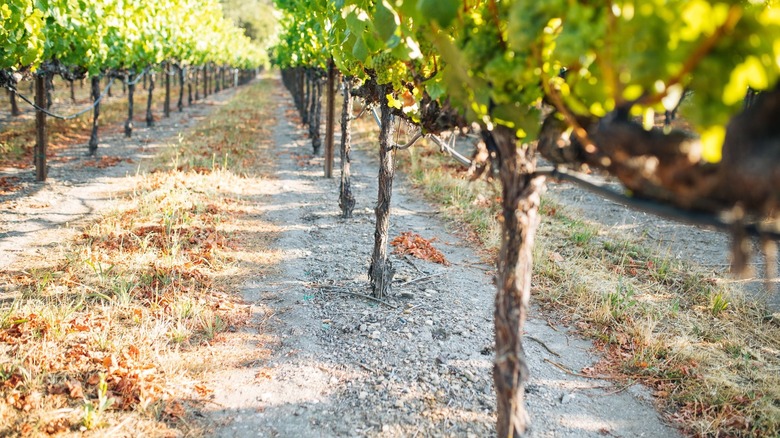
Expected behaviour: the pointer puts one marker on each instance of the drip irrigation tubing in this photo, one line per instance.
(59, 116)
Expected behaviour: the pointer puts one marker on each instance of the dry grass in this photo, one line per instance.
(108, 336)
(712, 358)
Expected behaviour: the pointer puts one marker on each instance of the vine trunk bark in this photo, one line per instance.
(149, 115)
(49, 89)
(520, 205)
(93, 137)
(346, 197)
(381, 270)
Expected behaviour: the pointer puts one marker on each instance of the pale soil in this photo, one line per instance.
(316, 360)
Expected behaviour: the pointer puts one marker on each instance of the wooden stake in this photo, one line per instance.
(331, 119)
(40, 128)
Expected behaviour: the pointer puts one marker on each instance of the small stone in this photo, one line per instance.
(407, 295)
(363, 327)
(375, 334)
(334, 380)
(431, 291)
(567, 398)
(362, 395)
(428, 322)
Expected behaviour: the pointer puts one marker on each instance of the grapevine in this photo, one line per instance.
(579, 83)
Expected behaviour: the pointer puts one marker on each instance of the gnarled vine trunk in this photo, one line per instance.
(205, 81)
(149, 115)
(180, 103)
(381, 270)
(301, 91)
(520, 204)
(130, 104)
(307, 92)
(197, 84)
(315, 114)
(346, 197)
(189, 86)
(93, 137)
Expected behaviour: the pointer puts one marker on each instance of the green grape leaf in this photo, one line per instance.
(359, 50)
(385, 21)
(442, 11)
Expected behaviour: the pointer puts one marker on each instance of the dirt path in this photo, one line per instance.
(418, 364)
(78, 188)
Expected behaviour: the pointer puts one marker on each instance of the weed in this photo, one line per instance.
(718, 303)
(94, 411)
(621, 299)
(211, 325)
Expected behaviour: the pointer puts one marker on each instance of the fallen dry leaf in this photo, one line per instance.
(415, 245)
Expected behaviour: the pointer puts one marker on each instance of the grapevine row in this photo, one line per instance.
(577, 82)
(119, 39)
